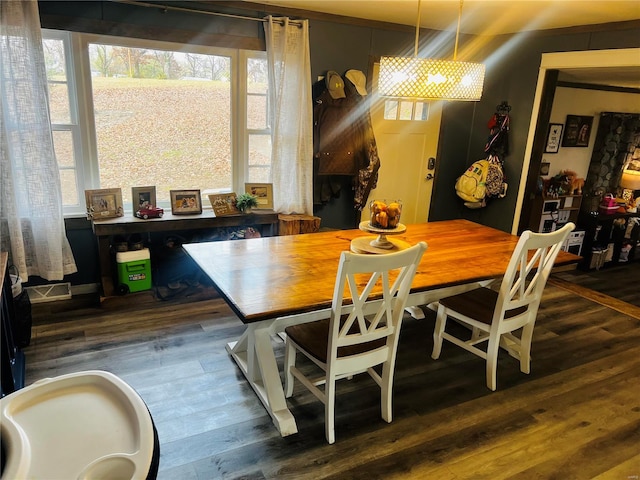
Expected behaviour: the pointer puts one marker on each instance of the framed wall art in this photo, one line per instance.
(224, 204)
(577, 131)
(185, 202)
(104, 203)
(544, 168)
(554, 136)
(263, 192)
(143, 197)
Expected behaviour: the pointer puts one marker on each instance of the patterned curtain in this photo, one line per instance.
(618, 136)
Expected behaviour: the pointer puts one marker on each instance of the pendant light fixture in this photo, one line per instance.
(429, 78)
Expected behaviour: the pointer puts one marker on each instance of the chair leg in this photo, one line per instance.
(475, 333)
(525, 348)
(386, 391)
(492, 360)
(441, 321)
(289, 361)
(329, 409)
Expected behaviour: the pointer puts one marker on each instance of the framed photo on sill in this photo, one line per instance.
(143, 197)
(577, 131)
(224, 204)
(185, 202)
(554, 136)
(104, 203)
(263, 192)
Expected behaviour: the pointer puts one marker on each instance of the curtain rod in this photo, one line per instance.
(206, 12)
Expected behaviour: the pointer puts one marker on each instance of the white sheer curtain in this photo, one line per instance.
(31, 220)
(292, 114)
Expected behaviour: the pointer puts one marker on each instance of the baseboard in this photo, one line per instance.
(84, 289)
(51, 292)
(59, 291)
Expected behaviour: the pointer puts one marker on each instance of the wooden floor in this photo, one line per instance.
(576, 416)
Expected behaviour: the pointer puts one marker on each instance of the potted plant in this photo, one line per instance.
(246, 202)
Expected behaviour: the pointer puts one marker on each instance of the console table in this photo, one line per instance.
(127, 225)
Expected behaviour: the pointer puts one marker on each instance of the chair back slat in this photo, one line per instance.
(528, 270)
(362, 279)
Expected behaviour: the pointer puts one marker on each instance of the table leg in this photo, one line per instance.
(415, 311)
(255, 357)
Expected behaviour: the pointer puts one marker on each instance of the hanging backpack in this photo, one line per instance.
(471, 185)
(495, 184)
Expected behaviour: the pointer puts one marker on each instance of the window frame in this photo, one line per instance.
(75, 125)
(80, 94)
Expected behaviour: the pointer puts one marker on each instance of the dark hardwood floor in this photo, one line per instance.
(576, 416)
(621, 282)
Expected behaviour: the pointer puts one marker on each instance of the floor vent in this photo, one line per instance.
(49, 293)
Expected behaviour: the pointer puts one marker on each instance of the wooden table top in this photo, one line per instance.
(264, 278)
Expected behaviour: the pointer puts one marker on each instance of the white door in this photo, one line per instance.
(407, 136)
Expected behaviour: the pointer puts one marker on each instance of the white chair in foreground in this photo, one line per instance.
(492, 316)
(358, 335)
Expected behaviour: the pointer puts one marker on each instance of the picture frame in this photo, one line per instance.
(224, 204)
(263, 192)
(185, 202)
(577, 131)
(544, 168)
(143, 196)
(554, 137)
(104, 203)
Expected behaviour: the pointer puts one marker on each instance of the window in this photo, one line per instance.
(157, 114)
(259, 134)
(417, 110)
(64, 115)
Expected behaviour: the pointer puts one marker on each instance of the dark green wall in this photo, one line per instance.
(512, 72)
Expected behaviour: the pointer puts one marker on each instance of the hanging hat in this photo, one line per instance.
(335, 85)
(358, 79)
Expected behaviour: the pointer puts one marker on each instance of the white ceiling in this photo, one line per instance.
(494, 17)
(479, 17)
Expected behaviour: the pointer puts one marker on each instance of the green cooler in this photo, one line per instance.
(134, 270)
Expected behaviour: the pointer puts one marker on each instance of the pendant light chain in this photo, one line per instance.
(455, 49)
(429, 78)
(415, 50)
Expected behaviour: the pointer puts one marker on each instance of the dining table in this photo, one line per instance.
(273, 282)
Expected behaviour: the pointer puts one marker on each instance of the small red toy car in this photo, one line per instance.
(150, 211)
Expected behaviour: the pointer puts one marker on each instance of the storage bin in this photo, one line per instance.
(608, 205)
(134, 270)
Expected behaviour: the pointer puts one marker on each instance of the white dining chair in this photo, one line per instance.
(362, 331)
(496, 316)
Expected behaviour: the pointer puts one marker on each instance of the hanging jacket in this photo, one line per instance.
(344, 144)
(335, 138)
(369, 161)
